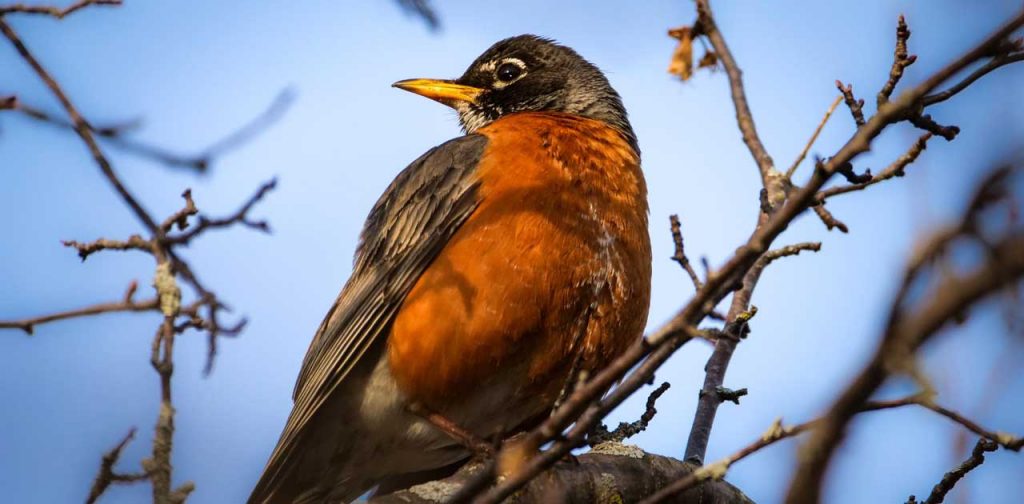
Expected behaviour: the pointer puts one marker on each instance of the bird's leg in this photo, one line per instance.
(479, 447)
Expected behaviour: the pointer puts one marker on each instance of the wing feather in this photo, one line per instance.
(406, 229)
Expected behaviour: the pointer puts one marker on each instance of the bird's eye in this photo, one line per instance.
(509, 72)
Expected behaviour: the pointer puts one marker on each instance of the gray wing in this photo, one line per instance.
(408, 226)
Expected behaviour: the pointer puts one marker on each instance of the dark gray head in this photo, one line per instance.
(527, 73)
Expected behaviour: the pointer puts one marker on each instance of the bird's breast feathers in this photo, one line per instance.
(560, 232)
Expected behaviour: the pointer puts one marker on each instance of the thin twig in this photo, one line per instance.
(241, 216)
(201, 162)
(1008, 441)
(993, 64)
(856, 106)
(900, 61)
(950, 479)
(179, 219)
(830, 221)
(56, 12)
(680, 253)
(134, 242)
(814, 137)
(107, 476)
(625, 430)
(744, 118)
(896, 169)
(125, 305)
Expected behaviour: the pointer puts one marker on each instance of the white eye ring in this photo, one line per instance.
(496, 66)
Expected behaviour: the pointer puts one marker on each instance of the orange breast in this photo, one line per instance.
(561, 226)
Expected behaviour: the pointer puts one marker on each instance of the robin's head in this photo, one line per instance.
(526, 74)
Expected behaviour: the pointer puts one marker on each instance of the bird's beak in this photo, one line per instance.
(444, 91)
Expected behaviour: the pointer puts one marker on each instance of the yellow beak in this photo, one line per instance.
(444, 91)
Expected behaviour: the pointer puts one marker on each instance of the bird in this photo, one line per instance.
(494, 271)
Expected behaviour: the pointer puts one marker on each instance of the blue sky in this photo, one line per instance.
(196, 70)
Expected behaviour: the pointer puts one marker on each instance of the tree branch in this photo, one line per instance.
(56, 12)
(107, 476)
(856, 106)
(611, 473)
(241, 216)
(744, 119)
(1014, 55)
(950, 479)
(896, 169)
(900, 61)
(125, 305)
(116, 135)
(908, 329)
(627, 430)
(680, 253)
(81, 128)
(814, 137)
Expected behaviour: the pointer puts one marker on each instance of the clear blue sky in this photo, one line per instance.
(195, 70)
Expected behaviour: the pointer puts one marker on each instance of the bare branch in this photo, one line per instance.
(1013, 56)
(56, 12)
(125, 305)
(241, 216)
(846, 170)
(789, 250)
(201, 162)
(627, 430)
(106, 475)
(423, 10)
(925, 122)
(744, 119)
(950, 479)
(896, 169)
(610, 473)
(856, 106)
(814, 137)
(1008, 441)
(179, 219)
(134, 242)
(900, 61)
(680, 253)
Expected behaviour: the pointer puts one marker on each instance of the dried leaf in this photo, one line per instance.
(682, 58)
(710, 59)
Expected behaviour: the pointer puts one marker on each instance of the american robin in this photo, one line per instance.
(492, 270)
